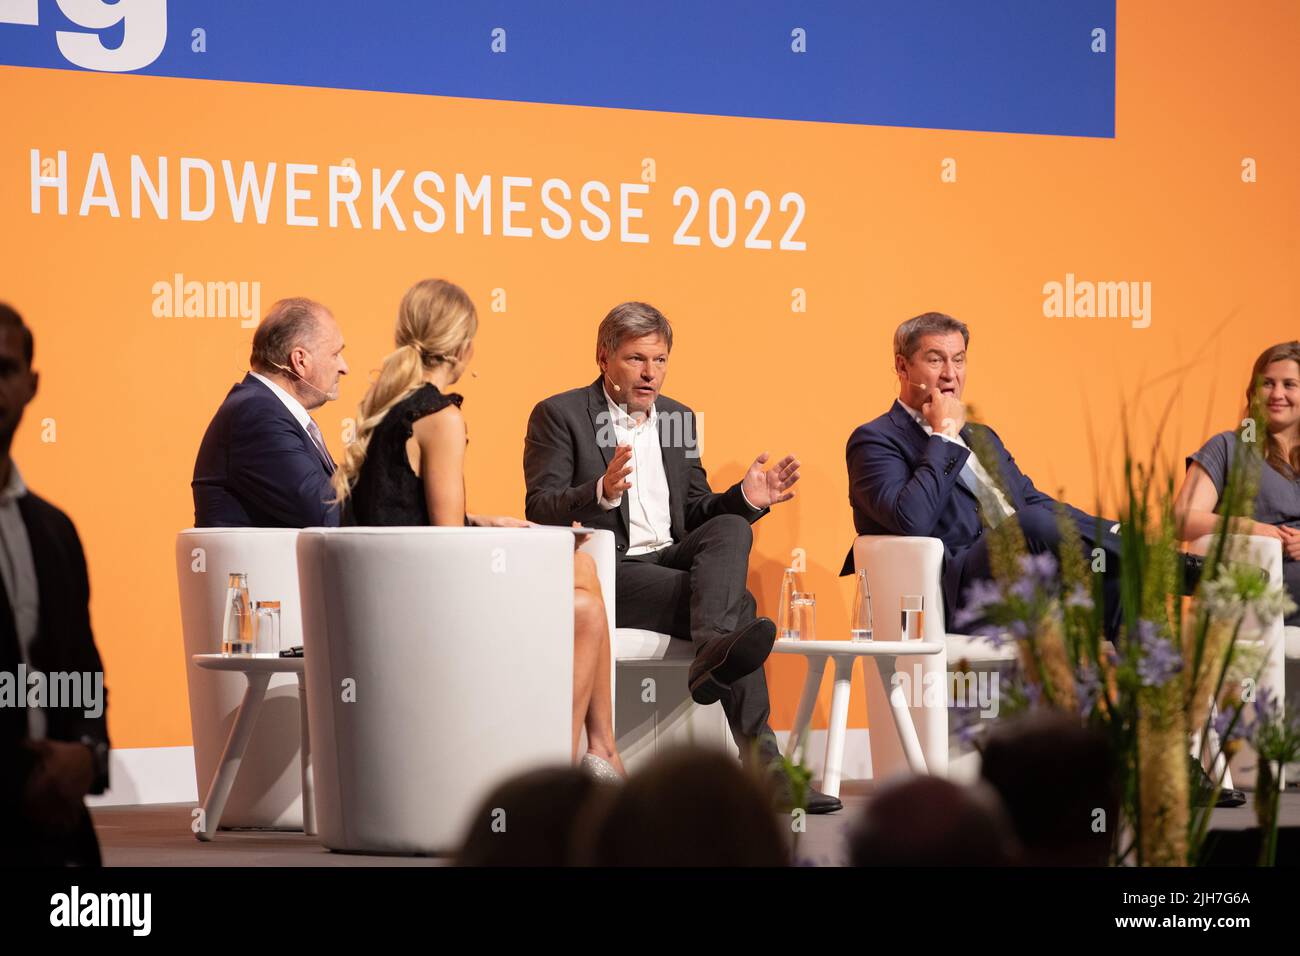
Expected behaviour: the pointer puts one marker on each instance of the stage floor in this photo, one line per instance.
(160, 835)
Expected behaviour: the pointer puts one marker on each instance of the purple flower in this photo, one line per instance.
(967, 733)
(1037, 574)
(1222, 719)
(1159, 660)
(1041, 567)
(1079, 597)
(980, 596)
(1033, 694)
(991, 634)
(1089, 682)
(1024, 588)
(1266, 708)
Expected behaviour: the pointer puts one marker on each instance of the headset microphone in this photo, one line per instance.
(303, 380)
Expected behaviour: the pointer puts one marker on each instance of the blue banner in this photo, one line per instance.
(1021, 66)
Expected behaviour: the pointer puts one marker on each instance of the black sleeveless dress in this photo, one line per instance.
(387, 491)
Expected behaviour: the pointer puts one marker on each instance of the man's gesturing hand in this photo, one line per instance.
(615, 481)
(766, 488)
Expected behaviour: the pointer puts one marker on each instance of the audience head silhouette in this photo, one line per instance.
(529, 820)
(929, 821)
(434, 339)
(1057, 780)
(689, 808)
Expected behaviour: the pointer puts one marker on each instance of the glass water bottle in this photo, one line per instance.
(786, 626)
(237, 627)
(860, 624)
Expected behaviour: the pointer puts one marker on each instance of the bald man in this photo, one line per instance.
(263, 461)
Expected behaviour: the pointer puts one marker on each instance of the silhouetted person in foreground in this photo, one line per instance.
(1058, 782)
(928, 821)
(689, 808)
(53, 751)
(530, 819)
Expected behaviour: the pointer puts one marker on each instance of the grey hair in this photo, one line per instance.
(907, 339)
(289, 324)
(631, 320)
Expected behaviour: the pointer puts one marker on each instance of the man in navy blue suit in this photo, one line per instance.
(912, 471)
(263, 462)
(54, 754)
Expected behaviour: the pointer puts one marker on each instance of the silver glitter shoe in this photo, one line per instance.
(601, 769)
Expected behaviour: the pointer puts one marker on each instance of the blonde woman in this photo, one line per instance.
(407, 467)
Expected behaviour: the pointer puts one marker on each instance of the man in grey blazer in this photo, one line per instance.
(617, 454)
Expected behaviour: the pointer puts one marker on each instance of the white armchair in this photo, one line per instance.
(268, 789)
(439, 663)
(897, 565)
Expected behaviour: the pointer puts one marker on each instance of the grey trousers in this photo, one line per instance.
(695, 589)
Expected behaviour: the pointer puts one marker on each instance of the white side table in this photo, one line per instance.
(845, 653)
(257, 671)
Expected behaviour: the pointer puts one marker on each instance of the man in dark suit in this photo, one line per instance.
(912, 471)
(54, 753)
(618, 455)
(263, 461)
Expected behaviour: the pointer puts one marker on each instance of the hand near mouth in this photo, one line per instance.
(945, 412)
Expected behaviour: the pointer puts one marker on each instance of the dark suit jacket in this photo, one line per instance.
(258, 468)
(64, 641)
(569, 445)
(902, 481)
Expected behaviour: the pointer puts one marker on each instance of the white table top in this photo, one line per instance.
(858, 648)
(248, 663)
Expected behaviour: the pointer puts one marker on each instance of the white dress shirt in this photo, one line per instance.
(295, 407)
(19, 572)
(650, 522)
(649, 517)
(973, 474)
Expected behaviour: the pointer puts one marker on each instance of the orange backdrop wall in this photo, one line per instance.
(125, 394)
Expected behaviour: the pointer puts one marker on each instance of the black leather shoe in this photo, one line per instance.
(1202, 788)
(818, 802)
(814, 801)
(726, 659)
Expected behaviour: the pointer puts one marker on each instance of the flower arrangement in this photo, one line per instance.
(1172, 692)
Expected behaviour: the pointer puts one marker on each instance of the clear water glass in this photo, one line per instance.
(803, 616)
(912, 609)
(266, 633)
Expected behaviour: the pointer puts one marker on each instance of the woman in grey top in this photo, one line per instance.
(1277, 504)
